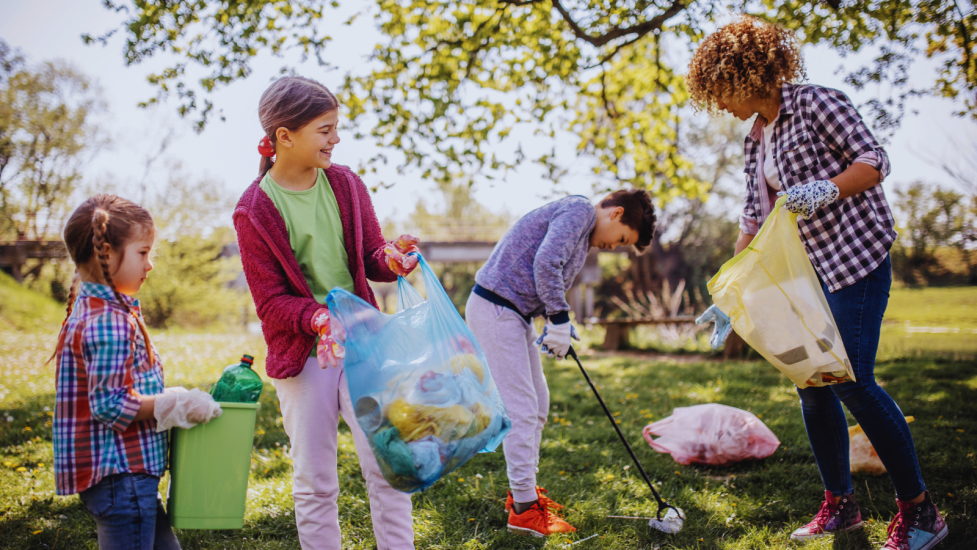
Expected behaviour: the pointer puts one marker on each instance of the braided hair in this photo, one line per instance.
(103, 223)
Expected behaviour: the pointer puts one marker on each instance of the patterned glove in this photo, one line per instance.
(555, 341)
(805, 200)
(722, 328)
(329, 352)
(399, 257)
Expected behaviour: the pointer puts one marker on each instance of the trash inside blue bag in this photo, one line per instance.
(419, 382)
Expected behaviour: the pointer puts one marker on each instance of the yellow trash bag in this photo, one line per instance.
(771, 294)
(862, 456)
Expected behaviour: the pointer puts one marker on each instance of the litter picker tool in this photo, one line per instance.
(669, 519)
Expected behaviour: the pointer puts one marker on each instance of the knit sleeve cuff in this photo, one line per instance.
(560, 318)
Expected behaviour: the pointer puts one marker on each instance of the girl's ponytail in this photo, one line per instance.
(290, 102)
(72, 294)
(266, 164)
(103, 223)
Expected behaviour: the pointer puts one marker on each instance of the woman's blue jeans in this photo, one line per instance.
(129, 514)
(858, 311)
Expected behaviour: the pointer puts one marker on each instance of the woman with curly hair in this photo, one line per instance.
(810, 143)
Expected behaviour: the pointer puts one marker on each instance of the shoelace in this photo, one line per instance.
(898, 530)
(548, 503)
(824, 514)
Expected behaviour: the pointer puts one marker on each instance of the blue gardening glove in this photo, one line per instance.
(805, 200)
(722, 329)
(555, 340)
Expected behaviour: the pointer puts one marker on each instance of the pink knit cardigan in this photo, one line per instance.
(282, 297)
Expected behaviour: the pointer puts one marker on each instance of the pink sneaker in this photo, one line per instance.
(831, 518)
(916, 526)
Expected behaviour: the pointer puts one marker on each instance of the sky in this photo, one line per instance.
(226, 151)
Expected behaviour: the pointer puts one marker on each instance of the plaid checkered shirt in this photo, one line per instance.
(817, 136)
(101, 363)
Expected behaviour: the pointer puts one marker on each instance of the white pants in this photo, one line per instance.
(509, 343)
(311, 405)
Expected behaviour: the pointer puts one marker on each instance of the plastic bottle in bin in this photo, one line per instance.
(238, 384)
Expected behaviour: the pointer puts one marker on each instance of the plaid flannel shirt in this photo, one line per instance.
(101, 362)
(818, 135)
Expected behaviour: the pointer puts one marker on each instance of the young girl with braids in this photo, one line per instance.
(306, 226)
(111, 408)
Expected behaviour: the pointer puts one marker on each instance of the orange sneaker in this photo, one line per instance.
(540, 495)
(540, 520)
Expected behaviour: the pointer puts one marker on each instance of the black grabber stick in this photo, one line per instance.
(669, 519)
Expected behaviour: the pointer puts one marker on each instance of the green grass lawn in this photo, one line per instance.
(746, 506)
(22, 309)
(934, 306)
(930, 322)
(750, 505)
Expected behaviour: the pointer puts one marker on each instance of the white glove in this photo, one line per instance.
(555, 340)
(177, 407)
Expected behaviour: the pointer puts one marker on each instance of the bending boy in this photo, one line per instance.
(528, 275)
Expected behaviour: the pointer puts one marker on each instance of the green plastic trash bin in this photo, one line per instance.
(209, 467)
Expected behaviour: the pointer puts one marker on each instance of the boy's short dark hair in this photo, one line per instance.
(639, 213)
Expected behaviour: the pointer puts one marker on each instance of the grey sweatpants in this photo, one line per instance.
(509, 343)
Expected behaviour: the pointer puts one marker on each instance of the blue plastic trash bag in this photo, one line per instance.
(419, 382)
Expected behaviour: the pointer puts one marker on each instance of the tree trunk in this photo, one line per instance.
(616, 337)
(735, 348)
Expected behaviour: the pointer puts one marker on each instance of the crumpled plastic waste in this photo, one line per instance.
(430, 455)
(419, 383)
(670, 523)
(712, 434)
(446, 423)
(387, 444)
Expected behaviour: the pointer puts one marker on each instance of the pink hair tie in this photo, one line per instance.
(265, 148)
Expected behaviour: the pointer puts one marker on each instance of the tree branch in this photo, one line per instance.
(616, 49)
(640, 29)
(608, 106)
(473, 55)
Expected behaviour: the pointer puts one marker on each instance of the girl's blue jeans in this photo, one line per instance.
(129, 513)
(858, 311)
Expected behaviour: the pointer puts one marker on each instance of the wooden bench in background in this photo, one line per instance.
(618, 329)
(14, 254)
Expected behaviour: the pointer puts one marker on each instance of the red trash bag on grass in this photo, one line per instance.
(711, 434)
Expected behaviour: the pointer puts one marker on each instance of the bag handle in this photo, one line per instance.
(408, 296)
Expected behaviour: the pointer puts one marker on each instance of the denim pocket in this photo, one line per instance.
(100, 499)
